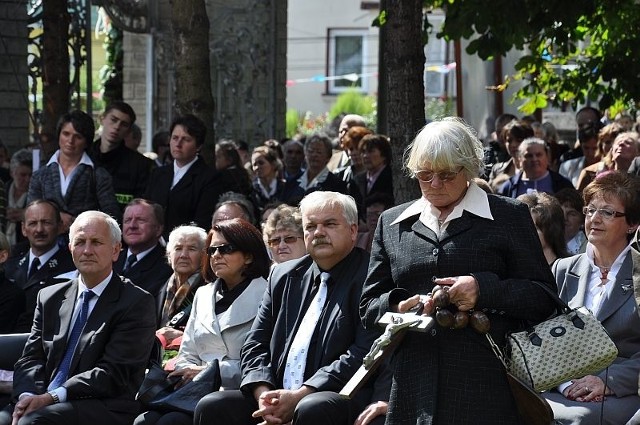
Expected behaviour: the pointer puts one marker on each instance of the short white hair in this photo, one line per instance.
(186, 231)
(319, 200)
(114, 229)
(530, 141)
(446, 144)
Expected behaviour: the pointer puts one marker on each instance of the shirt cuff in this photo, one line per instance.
(23, 395)
(563, 387)
(61, 392)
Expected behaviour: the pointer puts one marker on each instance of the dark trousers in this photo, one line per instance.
(76, 412)
(235, 407)
(157, 418)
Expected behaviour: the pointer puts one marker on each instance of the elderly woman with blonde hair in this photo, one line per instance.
(485, 249)
(282, 234)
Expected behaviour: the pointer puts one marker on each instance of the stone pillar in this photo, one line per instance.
(249, 60)
(14, 88)
(248, 41)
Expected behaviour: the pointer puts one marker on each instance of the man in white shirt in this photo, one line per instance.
(90, 342)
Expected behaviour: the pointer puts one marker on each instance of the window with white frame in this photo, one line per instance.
(438, 79)
(346, 59)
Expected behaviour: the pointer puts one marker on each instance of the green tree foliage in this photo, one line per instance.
(574, 50)
(111, 73)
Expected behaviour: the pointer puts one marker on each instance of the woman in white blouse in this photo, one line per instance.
(601, 280)
(223, 310)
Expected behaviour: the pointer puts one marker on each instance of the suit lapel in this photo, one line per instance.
(53, 177)
(73, 183)
(66, 314)
(333, 309)
(187, 179)
(619, 295)
(298, 287)
(22, 271)
(101, 313)
(576, 282)
(635, 256)
(237, 315)
(419, 228)
(457, 226)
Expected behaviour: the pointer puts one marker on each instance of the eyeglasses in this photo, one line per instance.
(604, 213)
(287, 239)
(223, 249)
(444, 176)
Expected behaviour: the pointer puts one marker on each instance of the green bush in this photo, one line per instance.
(353, 102)
(292, 121)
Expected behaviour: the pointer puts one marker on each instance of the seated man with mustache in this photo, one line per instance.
(307, 339)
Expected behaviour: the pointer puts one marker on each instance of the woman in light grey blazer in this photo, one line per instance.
(601, 280)
(235, 266)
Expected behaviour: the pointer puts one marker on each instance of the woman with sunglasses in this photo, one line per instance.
(485, 249)
(235, 268)
(283, 234)
(601, 280)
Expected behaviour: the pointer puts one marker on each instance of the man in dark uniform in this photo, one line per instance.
(45, 259)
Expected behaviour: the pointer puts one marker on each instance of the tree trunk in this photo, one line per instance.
(55, 60)
(403, 59)
(192, 69)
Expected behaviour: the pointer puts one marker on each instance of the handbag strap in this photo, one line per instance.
(496, 350)
(561, 306)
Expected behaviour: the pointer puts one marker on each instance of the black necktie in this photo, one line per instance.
(130, 260)
(35, 264)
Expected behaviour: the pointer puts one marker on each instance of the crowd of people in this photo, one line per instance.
(278, 263)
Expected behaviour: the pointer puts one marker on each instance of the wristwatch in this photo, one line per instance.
(54, 396)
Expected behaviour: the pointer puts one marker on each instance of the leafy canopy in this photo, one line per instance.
(575, 49)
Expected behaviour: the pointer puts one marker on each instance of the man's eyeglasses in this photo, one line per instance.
(223, 249)
(287, 239)
(444, 176)
(604, 213)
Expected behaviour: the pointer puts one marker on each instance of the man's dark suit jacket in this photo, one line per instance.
(112, 353)
(192, 199)
(332, 183)
(510, 187)
(150, 273)
(383, 184)
(635, 256)
(342, 341)
(17, 269)
(634, 168)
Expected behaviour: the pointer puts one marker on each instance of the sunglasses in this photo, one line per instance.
(223, 249)
(444, 176)
(287, 239)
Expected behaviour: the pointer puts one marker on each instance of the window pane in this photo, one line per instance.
(348, 59)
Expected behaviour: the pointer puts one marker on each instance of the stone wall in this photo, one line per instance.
(14, 117)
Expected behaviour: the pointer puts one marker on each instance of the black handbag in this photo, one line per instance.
(157, 390)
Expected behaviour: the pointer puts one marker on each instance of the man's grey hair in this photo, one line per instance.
(530, 141)
(114, 229)
(320, 200)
